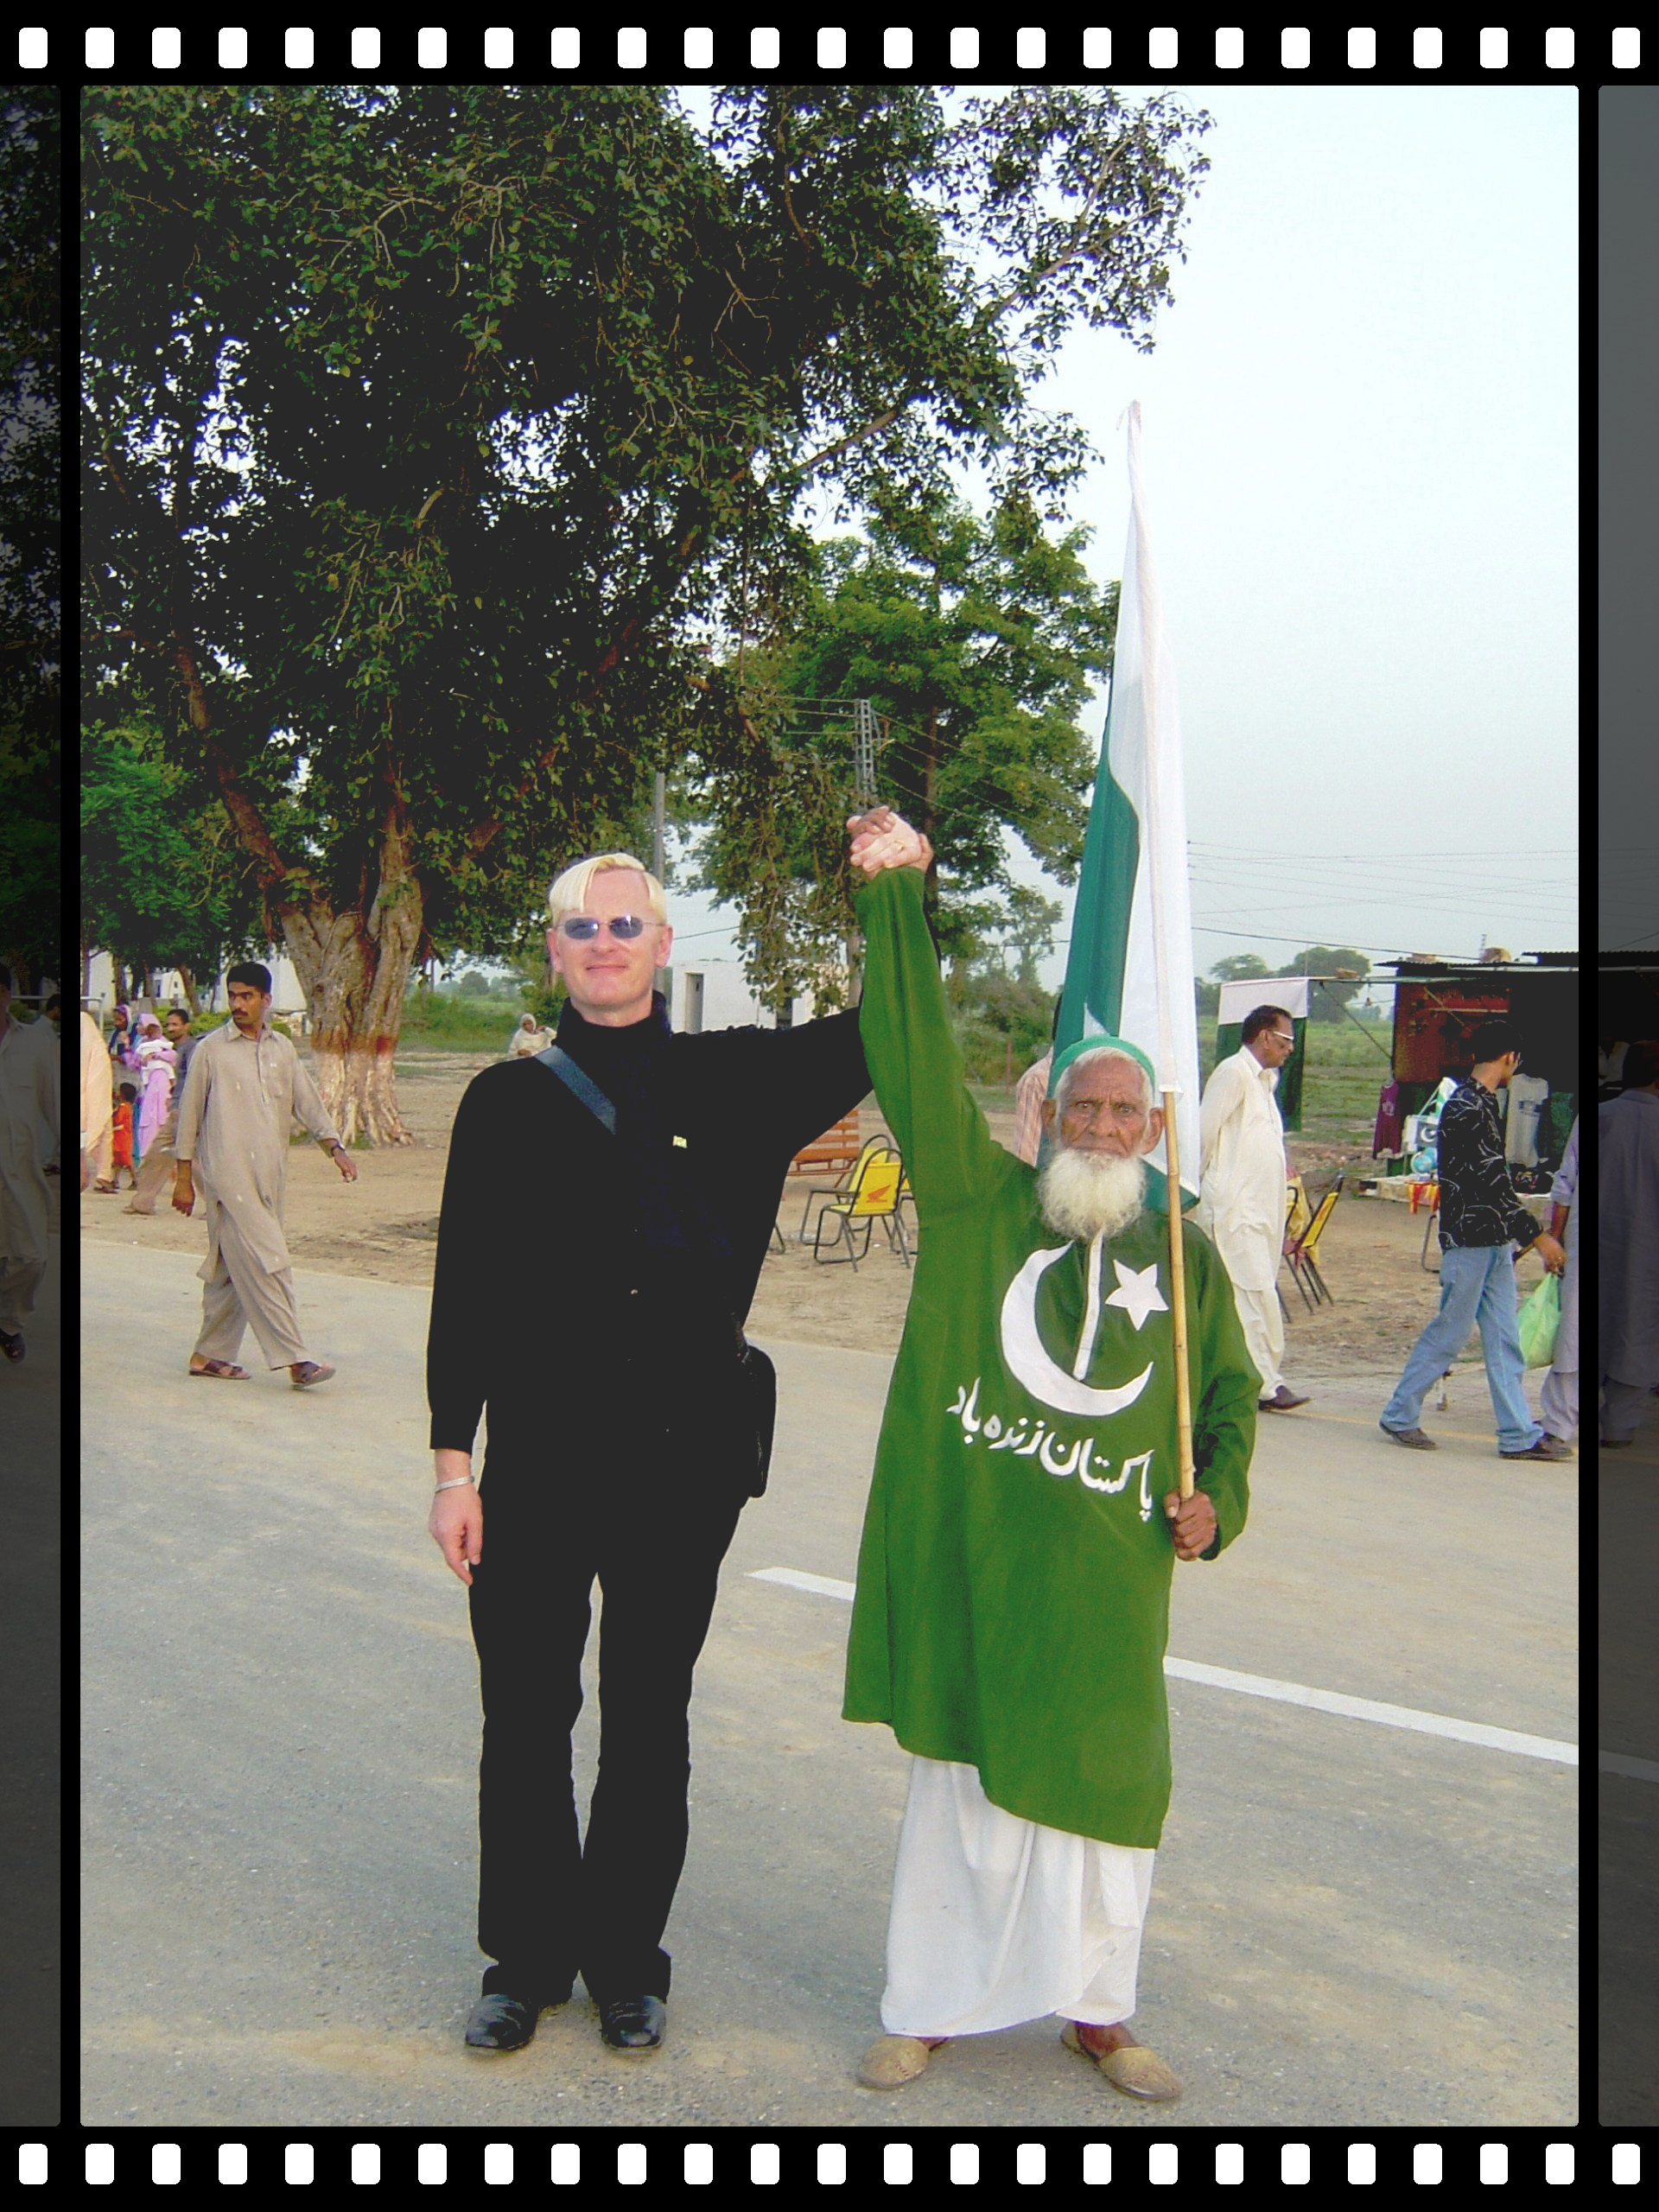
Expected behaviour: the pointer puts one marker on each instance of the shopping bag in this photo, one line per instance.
(1540, 1317)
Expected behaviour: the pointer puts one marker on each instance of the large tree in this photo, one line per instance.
(1349, 966)
(975, 641)
(427, 427)
(164, 883)
(31, 895)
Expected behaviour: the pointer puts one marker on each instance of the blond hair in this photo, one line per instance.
(568, 893)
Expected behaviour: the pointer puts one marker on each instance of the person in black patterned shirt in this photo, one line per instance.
(1480, 1217)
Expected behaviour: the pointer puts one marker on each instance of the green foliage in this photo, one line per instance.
(975, 641)
(1002, 1022)
(31, 848)
(163, 882)
(30, 377)
(427, 426)
(31, 760)
(1326, 1002)
(446, 1021)
(1240, 968)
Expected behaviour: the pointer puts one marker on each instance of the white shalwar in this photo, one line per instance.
(997, 1920)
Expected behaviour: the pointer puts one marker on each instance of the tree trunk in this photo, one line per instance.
(189, 983)
(354, 971)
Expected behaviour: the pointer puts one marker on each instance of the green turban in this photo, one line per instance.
(1063, 1060)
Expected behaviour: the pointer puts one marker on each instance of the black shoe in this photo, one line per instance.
(502, 2023)
(12, 1346)
(632, 2022)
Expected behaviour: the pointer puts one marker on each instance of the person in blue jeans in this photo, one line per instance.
(1480, 1217)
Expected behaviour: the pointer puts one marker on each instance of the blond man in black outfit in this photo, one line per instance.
(620, 1279)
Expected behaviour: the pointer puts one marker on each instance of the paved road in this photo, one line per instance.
(1352, 1924)
(31, 1748)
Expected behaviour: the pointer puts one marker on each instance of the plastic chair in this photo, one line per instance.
(848, 1178)
(1433, 1208)
(874, 1197)
(1301, 1255)
(1290, 1216)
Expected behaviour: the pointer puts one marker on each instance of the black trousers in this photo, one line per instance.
(650, 1521)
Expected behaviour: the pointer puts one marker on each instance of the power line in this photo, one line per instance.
(1482, 877)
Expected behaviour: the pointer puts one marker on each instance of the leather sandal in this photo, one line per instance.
(891, 2061)
(219, 1370)
(1132, 2068)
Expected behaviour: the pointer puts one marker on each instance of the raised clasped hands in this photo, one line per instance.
(884, 839)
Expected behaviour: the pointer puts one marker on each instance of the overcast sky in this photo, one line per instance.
(1360, 438)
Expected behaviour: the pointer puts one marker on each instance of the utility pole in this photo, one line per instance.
(863, 797)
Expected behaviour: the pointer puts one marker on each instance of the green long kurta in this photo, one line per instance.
(1013, 1600)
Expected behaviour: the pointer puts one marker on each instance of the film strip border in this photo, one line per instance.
(1200, 51)
(1140, 2149)
(1143, 2151)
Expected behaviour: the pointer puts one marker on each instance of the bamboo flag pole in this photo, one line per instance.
(1167, 867)
(1178, 1299)
(1129, 970)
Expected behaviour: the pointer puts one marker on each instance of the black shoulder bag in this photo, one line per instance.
(758, 1377)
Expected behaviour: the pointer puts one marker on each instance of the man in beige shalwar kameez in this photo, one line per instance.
(244, 1087)
(96, 1106)
(30, 1077)
(1241, 1186)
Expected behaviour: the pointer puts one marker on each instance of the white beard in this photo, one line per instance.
(1087, 1194)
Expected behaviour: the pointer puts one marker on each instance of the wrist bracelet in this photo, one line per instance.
(456, 1484)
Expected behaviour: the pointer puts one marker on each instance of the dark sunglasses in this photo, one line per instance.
(581, 927)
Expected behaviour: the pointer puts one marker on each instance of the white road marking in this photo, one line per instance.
(820, 1584)
(1350, 1708)
(1620, 1763)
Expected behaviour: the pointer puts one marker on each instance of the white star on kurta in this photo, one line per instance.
(1137, 1294)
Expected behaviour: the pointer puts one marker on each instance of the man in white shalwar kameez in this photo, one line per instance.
(1627, 1245)
(1241, 1186)
(244, 1087)
(30, 1080)
(1558, 1402)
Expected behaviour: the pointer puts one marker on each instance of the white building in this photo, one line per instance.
(286, 996)
(714, 994)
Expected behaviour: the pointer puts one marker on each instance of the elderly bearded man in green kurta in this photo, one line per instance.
(1013, 1599)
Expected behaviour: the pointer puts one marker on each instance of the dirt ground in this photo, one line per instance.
(385, 1225)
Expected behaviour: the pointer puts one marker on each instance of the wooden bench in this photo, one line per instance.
(836, 1149)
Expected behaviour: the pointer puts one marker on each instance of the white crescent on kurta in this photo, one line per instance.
(1022, 1348)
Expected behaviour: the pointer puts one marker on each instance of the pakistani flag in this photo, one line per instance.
(1129, 970)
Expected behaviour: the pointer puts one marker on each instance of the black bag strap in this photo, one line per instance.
(558, 1062)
